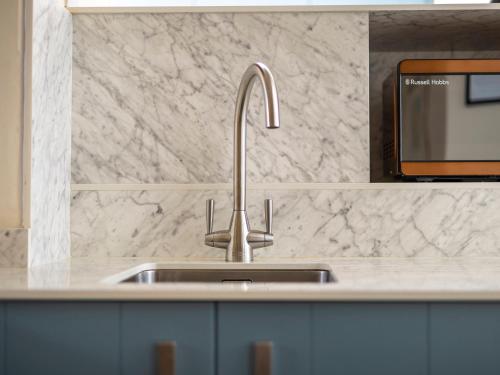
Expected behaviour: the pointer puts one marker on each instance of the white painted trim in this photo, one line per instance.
(289, 186)
(76, 7)
(149, 187)
(27, 101)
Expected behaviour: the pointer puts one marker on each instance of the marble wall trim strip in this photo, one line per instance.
(288, 186)
(50, 159)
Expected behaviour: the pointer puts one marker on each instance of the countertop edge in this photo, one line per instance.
(221, 296)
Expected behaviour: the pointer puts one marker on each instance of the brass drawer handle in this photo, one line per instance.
(263, 358)
(165, 358)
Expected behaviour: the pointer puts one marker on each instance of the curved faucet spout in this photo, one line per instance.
(254, 71)
(239, 241)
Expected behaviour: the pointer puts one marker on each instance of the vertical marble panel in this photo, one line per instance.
(162, 111)
(51, 132)
(13, 247)
(307, 223)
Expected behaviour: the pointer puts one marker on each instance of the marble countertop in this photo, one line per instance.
(366, 279)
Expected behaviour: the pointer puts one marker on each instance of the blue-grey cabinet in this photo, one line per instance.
(369, 338)
(464, 338)
(2, 338)
(190, 325)
(242, 325)
(219, 338)
(62, 338)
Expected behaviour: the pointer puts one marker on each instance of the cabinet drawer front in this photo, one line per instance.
(190, 325)
(242, 325)
(62, 338)
(369, 338)
(465, 338)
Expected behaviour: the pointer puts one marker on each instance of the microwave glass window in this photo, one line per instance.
(483, 88)
(450, 117)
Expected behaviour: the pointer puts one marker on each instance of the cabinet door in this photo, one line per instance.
(285, 325)
(2, 338)
(465, 338)
(369, 338)
(190, 325)
(62, 338)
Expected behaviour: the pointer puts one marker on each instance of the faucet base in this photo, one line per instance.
(239, 241)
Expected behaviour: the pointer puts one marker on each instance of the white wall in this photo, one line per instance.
(11, 109)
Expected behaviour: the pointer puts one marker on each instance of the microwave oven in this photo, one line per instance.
(446, 119)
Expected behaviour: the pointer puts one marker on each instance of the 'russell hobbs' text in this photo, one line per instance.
(426, 82)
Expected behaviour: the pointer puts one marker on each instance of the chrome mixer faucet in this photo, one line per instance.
(239, 241)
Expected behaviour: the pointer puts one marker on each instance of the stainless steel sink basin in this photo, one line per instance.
(224, 275)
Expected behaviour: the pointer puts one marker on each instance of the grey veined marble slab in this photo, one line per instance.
(13, 247)
(307, 223)
(162, 111)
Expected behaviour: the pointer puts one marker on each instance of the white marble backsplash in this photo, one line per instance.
(307, 223)
(50, 133)
(153, 103)
(154, 94)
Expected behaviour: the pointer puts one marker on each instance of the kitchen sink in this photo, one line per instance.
(227, 275)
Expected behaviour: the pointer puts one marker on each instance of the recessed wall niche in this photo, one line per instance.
(398, 35)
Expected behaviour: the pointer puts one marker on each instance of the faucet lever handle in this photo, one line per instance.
(268, 212)
(210, 215)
